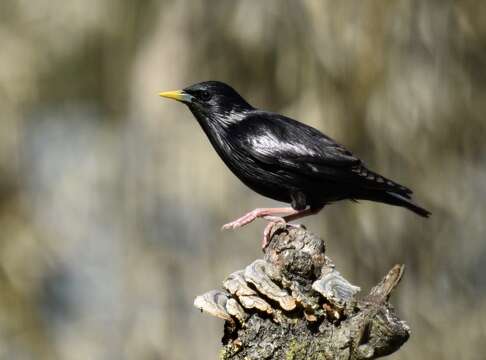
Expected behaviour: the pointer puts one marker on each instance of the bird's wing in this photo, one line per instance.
(276, 140)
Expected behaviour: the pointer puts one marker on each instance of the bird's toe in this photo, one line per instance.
(275, 219)
(267, 233)
(230, 226)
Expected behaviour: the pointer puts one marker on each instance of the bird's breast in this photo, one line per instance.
(257, 176)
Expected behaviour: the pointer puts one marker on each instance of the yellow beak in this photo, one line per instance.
(178, 95)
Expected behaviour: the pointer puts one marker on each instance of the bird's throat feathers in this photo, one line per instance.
(220, 119)
(216, 126)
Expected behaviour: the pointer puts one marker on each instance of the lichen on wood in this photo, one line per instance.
(295, 305)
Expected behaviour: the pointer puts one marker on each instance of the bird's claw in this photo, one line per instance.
(274, 220)
(231, 226)
(260, 213)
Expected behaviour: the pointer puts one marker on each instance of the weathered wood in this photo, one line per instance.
(295, 305)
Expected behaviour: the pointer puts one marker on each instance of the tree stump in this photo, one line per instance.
(294, 304)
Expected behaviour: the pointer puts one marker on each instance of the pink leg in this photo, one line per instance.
(258, 213)
(302, 213)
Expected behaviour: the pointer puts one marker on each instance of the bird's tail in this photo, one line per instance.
(393, 198)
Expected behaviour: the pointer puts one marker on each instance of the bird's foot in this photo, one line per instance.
(273, 221)
(257, 213)
(268, 214)
(242, 221)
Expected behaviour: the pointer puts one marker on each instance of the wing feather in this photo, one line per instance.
(284, 143)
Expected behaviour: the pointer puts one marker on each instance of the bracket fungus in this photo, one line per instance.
(294, 304)
(236, 284)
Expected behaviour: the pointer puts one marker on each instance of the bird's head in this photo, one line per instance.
(211, 100)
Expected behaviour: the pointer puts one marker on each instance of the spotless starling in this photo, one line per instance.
(284, 159)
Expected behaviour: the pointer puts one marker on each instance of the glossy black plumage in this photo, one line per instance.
(284, 159)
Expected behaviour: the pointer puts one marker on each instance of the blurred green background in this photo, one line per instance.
(111, 198)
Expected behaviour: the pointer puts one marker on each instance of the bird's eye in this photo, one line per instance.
(205, 95)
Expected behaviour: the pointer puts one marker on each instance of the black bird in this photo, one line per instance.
(283, 159)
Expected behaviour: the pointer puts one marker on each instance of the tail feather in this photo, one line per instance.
(376, 187)
(376, 181)
(400, 200)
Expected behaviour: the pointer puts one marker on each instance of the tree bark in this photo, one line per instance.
(294, 305)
